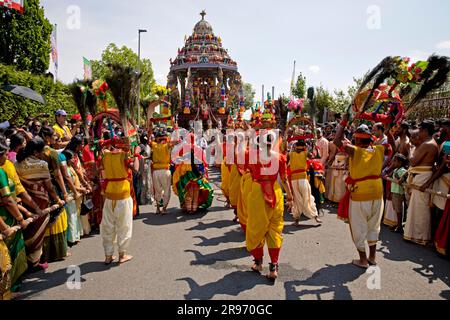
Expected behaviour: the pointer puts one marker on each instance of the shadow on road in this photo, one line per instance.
(232, 285)
(174, 215)
(227, 237)
(432, 267)
(331, 278)
(291, 229)
(48, 280)
(222, 255)
(216, 224)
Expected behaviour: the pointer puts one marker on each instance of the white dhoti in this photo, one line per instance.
(418, 219)
(117, 223)
(390, 216)
(147, 185)
(441, 185)
(336, 176)
(85, 224)
(365, 220)
(304, 202)
(162, 185)
(74, 227)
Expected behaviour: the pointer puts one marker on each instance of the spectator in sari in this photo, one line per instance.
(12, 217)
(55, 242)
(75, 229)
(93, 176)
(16, 143)
(5, 261)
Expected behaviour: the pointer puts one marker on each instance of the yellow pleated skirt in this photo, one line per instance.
(243, 199)
(264, 223)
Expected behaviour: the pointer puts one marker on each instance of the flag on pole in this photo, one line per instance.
(87, 69)
(54, 45)
(13, 4)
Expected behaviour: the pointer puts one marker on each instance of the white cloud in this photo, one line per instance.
(314, 69)
(443, 44)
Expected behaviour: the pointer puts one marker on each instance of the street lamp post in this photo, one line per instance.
(139, 70)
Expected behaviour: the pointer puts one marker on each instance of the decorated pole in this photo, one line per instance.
(222, 100)
(312, 103)
(241, 100)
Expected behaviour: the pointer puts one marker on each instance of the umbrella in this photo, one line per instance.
(24, 92)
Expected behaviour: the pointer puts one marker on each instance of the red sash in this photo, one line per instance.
(344, 204)
(267, 189)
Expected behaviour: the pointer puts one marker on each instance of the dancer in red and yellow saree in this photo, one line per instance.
(266, 209)
(190, 178)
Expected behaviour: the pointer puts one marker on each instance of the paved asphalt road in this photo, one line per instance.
(203, 256)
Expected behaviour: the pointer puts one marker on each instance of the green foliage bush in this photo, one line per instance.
(16, 109)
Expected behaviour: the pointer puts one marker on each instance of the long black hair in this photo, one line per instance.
(46, 131)
(69, 154)
(3, 145)
(75, 142)
(16, 140)
(36, 144)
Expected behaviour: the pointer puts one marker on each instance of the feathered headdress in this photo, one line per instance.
(123, 83)
(396, 73)
(85, 100)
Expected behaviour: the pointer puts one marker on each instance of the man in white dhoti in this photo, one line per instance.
(418, 221)
(304, 202)
(117, 215)
(160, 158)
(362, 205)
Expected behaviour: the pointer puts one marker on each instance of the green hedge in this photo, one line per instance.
(57, 96)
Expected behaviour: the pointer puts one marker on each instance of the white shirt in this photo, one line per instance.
(322, 144)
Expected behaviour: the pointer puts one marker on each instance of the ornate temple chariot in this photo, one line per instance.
(204, 81)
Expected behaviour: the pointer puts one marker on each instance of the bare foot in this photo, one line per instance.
(257, 268)
(360, 264)
(273, 272)
(125, 258)
(372, 262)
(318, 220)
(109, 259)
(296, 223)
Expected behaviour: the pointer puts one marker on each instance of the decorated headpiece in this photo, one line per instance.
(256, 118)
(230, 122)
(396, 73)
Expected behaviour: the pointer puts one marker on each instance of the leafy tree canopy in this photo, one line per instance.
(299, 90)
(249, 95)
(25, 38)
(127, 57)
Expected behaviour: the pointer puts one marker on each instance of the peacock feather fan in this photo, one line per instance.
(85, 100)
(384, 70)
(123, 82)
(433, 77)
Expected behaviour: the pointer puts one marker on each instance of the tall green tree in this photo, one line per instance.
(323, 99)
(299, 90)
(341, 101)
(25, 38)
(127, 57)
(249, 95)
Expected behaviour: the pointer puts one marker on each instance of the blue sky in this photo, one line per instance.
(332, 41)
